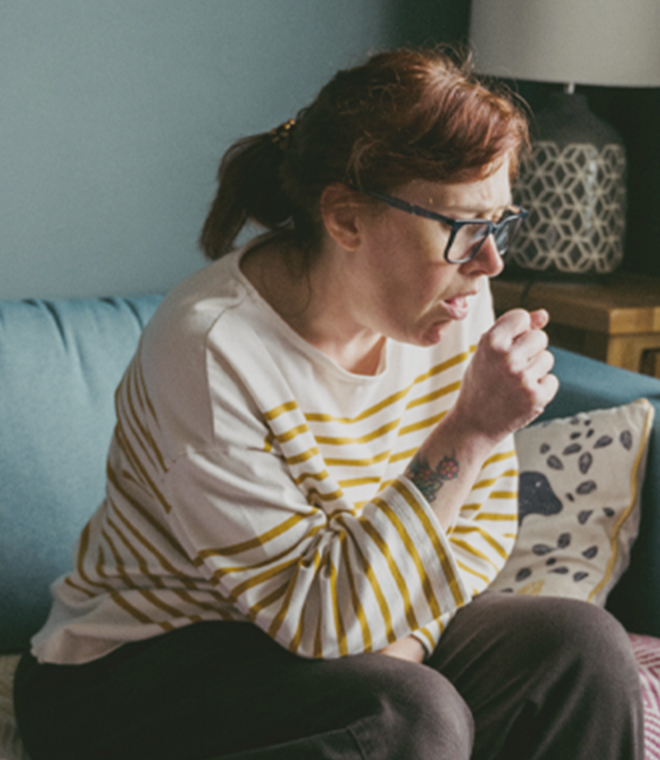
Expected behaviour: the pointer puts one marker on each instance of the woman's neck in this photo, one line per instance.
(313, 300)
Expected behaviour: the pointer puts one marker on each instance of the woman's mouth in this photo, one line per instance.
(456, 307)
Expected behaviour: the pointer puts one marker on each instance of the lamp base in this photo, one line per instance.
(573, 184)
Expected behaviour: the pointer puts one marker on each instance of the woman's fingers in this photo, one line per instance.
(507, 329)
(541, 364)
(520, 336)
(509, 382)
(539, 319)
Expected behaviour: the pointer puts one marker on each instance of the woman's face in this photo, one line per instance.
(404, 288)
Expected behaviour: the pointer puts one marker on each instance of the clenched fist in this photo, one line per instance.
(508, 382)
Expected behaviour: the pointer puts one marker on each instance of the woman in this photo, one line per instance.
(313, 478)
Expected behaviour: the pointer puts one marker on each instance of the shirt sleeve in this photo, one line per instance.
(323, 583)
(483, 533)
(485, 530)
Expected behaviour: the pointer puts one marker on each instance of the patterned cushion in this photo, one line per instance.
(580, 487)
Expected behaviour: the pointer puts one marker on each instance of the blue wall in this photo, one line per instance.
(114, 114)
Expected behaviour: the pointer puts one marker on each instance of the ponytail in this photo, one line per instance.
(249, 189)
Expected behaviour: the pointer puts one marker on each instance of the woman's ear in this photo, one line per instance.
(342, 210)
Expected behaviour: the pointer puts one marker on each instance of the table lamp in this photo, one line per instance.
(573, 181)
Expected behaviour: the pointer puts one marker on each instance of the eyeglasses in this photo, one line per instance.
(467, 235)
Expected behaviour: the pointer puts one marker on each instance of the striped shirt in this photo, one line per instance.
(250, 478)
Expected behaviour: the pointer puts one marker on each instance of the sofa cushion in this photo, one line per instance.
(59, 364)
(579, 496)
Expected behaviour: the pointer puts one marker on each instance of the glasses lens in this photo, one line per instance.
(469, 237)
(506, 232)
(467, 241)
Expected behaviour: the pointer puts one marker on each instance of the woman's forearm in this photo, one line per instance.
(446, 467)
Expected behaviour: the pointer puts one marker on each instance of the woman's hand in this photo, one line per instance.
(508, 382)
(408, 648)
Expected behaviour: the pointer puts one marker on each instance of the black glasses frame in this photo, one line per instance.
(455, 224)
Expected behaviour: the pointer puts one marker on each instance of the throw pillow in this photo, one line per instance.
(580, 485)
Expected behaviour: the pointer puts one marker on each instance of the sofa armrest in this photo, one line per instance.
(588, 384)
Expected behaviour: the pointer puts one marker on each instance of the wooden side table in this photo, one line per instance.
(616, 320)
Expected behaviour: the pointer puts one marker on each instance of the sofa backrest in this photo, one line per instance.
(60, 362)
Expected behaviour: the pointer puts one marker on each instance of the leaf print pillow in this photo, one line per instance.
(580, 484)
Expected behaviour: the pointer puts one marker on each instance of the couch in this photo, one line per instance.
(60, 362)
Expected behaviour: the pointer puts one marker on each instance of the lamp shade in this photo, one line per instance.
(590, 42)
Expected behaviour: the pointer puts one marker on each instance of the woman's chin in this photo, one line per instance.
(435, 333)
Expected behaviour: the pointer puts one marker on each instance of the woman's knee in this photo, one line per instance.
(536, 635)
(419, 713)
(596, 640)
(572, 629)
(566, 665)
(541, 623)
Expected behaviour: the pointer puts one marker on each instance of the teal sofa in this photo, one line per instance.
(60, 362)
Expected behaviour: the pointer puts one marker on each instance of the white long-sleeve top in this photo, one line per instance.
(251, 478)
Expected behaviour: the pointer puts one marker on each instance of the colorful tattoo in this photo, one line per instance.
(429, 480)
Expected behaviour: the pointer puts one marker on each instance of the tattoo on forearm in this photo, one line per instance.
(430, 480)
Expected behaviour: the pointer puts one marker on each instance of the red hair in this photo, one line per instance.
(403, 115)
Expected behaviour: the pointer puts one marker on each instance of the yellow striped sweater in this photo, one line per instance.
(252, 479)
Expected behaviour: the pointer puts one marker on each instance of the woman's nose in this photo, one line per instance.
(488, 260)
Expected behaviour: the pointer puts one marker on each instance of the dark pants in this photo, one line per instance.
(513, 678)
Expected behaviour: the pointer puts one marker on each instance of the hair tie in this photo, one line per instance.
(280, 135)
